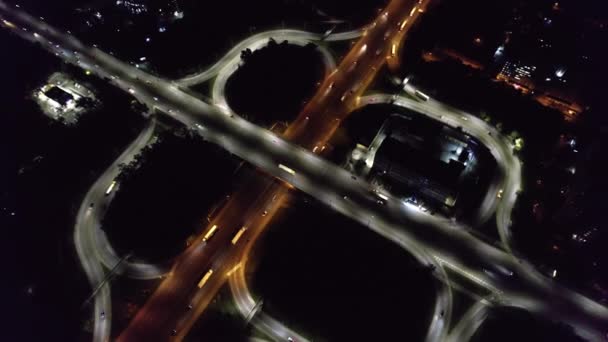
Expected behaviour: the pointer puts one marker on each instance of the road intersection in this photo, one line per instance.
(449, 244)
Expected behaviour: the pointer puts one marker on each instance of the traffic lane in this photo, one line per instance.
(507, 176)
(242, 296)
(470, 322)
(352, 76)
(509, 164)
(169, 301)
(197, 104)
(272, 327)
(238, 285)
(469, 251)
(93, 59)
(553, 296)
(252, 43)
(87, 223)
(250, 135)
(258, 215)
(580, 320)
(100, 202)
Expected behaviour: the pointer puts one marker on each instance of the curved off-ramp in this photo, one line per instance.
(251, 309)
(509, 176)
(258, 40)
(95, 254)
(232, 63)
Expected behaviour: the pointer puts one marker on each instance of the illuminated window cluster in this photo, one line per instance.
(132, 6)
(517, 71)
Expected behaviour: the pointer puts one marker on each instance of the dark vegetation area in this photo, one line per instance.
(339, 281)
(48, 168)
(564, 186)
(204, 34)
(166, 195)
(274, 82)
(517, 325)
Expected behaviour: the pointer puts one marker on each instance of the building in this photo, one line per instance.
(422, 159)
(60, 96)
(518, 74)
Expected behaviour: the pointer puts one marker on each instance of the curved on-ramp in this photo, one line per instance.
(257, 41)
(95, 254)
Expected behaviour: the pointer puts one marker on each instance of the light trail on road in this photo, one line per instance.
(306, 129)
(91, 253)
(329, 183)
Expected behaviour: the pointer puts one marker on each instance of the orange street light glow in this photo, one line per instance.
(234, 269)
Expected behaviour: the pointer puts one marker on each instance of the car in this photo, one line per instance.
(289, 339)
(499, 194)
(265, 213)
(173, 332)
(189, 306)
(103, 315)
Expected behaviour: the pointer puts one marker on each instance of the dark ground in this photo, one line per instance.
(554, 204)
(335, 280)
(158, 206)
(504, 325)
(267, 89)
(46, 196)
(205, 33)
(45, 192)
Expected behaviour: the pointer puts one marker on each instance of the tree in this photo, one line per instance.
(245, 54)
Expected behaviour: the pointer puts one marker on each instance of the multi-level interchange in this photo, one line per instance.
(292, 162)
